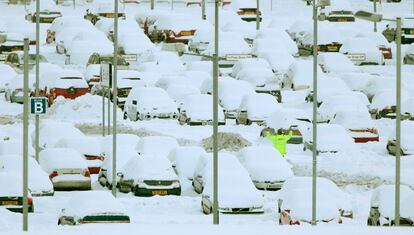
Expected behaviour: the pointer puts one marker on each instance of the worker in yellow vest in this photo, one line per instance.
(280, 140)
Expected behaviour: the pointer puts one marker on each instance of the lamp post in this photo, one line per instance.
(25, 133)
(375, 11)
(203, 10)
(215, 113)
(114, 99)
(377, 18)
(257, 14)
(152, 4)
(321, 4)
(37, 117)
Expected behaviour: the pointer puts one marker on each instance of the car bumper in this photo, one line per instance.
(148, 192)
(72, 185)
(277, 185)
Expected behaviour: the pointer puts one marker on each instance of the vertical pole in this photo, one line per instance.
(172, 5)
(114, 99)
(103, 111)
(74, 4)
(25, 132)
(37, 117)
(398, 126)
(375, 11)
(203, 10)
(315, 106)
(215, 113)
(152, 4)
(257, 14)
(271, 5)
(109, 110)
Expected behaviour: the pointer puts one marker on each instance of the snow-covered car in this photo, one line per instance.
(14, 89)
(92, 74)
(157, 146)
(282, 39)
(97, 58)
(47, 13)
(84, 208)
(380, 41)
(362, 51)
(359, 124)
(60, 24)
(134, 47)
(407, 137)
(266, 166)
(11, 194)
(173, 28)
(333, 103)
(295, 201)
(232, 48)
(39, 182)
(197, 110)
(149, 175)
(332, 138)
(339, 11)
(79, 51)
(103, 9)
(51, 132)
(330, 39)
(184, 160)
(13, 43)
(230, 93)
(382, 210)
(67, 83)
(262, 79)
(287, 120)
(409, 55)
(144, 103)
(299, 76)
(250, 112)
(15, 59)
(67, 169)
(237, 194)
(180, 92)
(279, 67)
(123, 154)
(88, 147)
(407, 31)
(383, 104)
(336, 63)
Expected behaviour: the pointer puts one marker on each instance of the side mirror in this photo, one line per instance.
(119, 174)
(134, 102)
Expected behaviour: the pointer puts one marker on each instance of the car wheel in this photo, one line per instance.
(125, 116)
(237, 122)
(59, 222)
(248, 122)
(282, 85)
(292, 86)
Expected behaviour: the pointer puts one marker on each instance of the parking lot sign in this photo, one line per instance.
(106, 75)
(38, 105)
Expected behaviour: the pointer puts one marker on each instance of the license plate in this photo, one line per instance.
(48, 20)
(9, 203)
(186, 33)
(332, 48)
(356, 57)
(109, 15)
(342, 20)
(159, 192)
(69, 171)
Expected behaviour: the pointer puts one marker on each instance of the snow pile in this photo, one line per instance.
(85, 107)
(227, 141)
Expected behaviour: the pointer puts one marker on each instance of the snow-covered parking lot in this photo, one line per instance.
(165, 129)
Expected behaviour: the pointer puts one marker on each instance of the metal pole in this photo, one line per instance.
(152, 4)
(114, 99)
(172, 4)
(109, 110)
(103, 112)
(215, 112)
(257, 14)
(25, 132)
(271, 5)
(398, 126)
(74, 4)
(37, 117)
(203, 10)
(375, 11)
(315, 106)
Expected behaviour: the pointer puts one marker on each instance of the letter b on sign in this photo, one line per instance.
(38, 105)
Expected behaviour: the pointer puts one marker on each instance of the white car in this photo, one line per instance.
(380, 41)
(158, 146)
(39, 182)
(144, 103)
(198, 110)
(281, 36)
(362, 51)
(263, 80)
(92, 74)
(266, 166)
(79, 51)
(60, 24)
(382, 210)
(150, 175)
(331, 139)
(93, 207)
(279, 67)
(383, 103)
(295, 201)
(335, 103)
(180, 92)
(67, 169)
(185, 159)
(406, 145)
(339, 11)
(237, 191)
(249, 63)
(88, 147)
(250, 112)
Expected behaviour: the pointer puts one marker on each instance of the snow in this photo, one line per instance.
(158, 146)
(148, 168)
(61, 158)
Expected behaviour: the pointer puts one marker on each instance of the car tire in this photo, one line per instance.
(248, 122)
(125, 116)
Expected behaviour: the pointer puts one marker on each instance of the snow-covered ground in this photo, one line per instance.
(357, 171)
